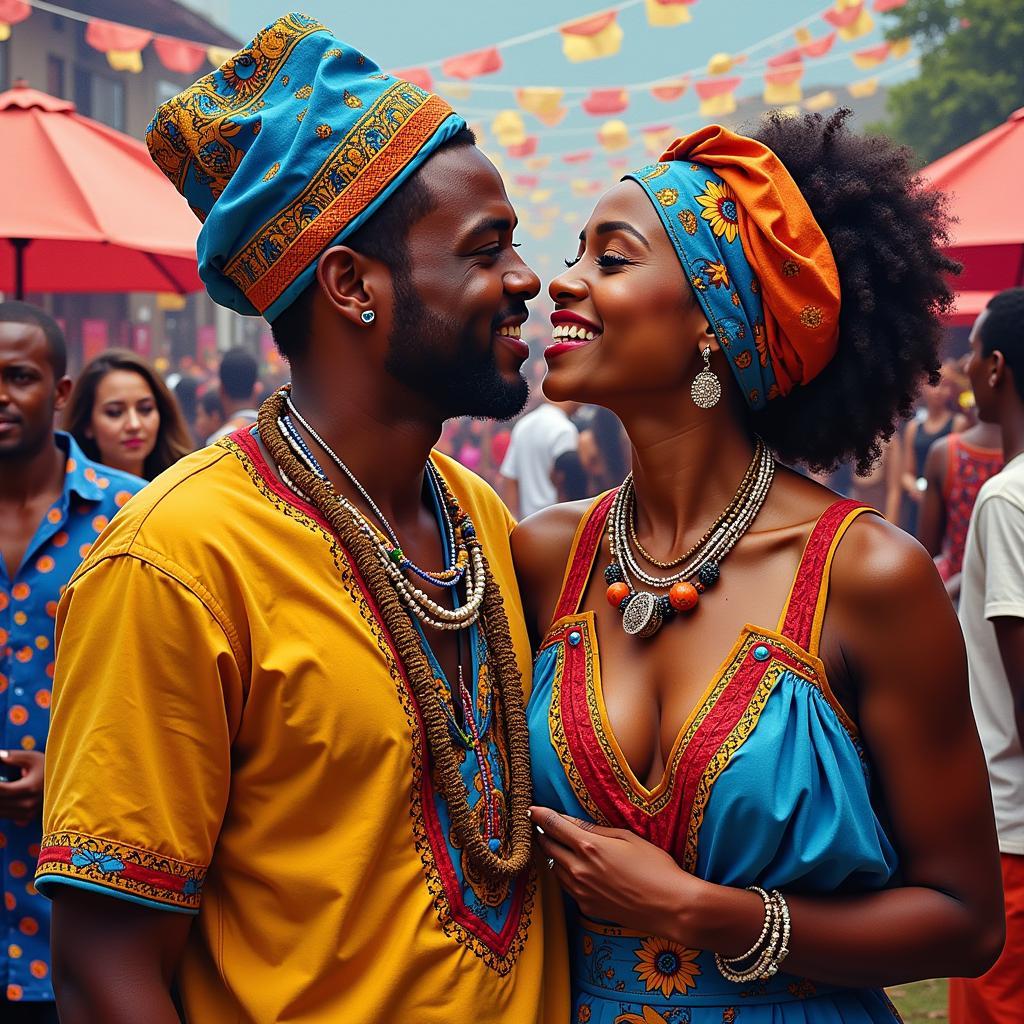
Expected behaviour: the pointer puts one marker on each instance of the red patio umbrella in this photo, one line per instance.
(83, 208)
(983, 180)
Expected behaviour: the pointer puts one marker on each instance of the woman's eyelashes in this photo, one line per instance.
(607, 260)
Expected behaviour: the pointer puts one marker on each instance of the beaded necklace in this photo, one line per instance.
(505, 850)
(643, 613)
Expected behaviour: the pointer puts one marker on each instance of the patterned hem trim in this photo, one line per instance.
(120, 867)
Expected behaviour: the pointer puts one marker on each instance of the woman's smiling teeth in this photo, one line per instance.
(514, 331)
(573, 332)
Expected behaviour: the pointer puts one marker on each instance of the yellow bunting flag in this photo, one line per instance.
(508, 128)
(457, 91)
(865, 87)
(125, 60)
(555, 118)
(667, 13)
(723, 63)
(614, 135)
(540, 230)
(717, 96)
(821, 100)
(218, 55)
(538, 163)
(584, 187)
(540, 195)
(122, 44)
(540, 100)
(899, 48)
(592, 38)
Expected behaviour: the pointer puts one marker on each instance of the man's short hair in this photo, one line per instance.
(1003, 329)
(384, 237)
(210, 403)
(16, 312)
(238, 373)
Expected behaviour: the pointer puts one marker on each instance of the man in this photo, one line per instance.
(53, 503)
(209, 416)
(238, 373)
(538, 439)
(288, 729)
(992, 617)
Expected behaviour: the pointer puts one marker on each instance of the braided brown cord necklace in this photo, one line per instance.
(515, 851)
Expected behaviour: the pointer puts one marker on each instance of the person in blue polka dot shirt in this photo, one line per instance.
(54, 503)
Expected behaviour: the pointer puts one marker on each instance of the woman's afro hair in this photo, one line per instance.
(886, 234)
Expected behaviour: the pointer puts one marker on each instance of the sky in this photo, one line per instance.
(404, 34)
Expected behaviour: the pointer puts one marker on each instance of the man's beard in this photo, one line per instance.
(436, 357)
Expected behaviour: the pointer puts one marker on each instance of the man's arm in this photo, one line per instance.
(114, 961)
(1010, 637)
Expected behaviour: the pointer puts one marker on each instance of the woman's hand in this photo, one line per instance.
(614, 875)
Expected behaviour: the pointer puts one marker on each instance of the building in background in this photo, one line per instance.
(49, 52)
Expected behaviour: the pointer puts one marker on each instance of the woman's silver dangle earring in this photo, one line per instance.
(367, 316)
(706, 388)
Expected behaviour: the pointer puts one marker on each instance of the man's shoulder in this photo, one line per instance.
(193, 497)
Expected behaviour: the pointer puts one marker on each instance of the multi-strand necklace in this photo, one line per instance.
(465, 555)
(644, 612)
(501, 847)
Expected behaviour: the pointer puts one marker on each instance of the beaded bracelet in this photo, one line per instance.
(770, 949)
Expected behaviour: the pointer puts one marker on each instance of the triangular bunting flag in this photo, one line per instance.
(817, 47)
(884, 6)
(577, 158)
(871, 56)
(667, 92)
(899, 48)
(850, 18)
(821, 100)
(717, 96)
(178, 55)
(666, 13)
(614, 135)
(657, 138)
(508, 128)
(122, 44)
(602, 102)
(523, 149)
(526, 180)
(11, 12)
(866, 87)
(538, 163)
(472, 65)
(786, 60)
(592, 38)
(540, 101)
(783, 87)
(418, 76)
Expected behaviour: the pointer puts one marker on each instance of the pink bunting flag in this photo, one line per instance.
(13, 11)
(711, 88)
(818, 47)
(602, 102)
(670, 91)
(418, 76)
(884, 6)
(523, 149)
(526, 180)
(472, 65)
(178, 55)
(109, 35)
(786, 59)
(845, 18)
(578, 158)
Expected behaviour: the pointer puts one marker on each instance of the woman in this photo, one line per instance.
(939, 421)
(123, 415)
(815, 822)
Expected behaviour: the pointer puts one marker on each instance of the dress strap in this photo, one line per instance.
(805, 609)
(585, 546)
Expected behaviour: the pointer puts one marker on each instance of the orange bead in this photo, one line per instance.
(617, 593)
(683, 596)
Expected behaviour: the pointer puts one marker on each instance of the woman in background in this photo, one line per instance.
(123, 415)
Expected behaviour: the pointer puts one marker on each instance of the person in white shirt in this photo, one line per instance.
(538, 439)
(992, 617)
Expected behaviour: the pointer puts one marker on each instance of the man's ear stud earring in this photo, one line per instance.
(368, 316)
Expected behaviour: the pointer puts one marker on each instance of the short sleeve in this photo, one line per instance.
(1000, 528)
(567, 439)
(510, 464)
(147, 693)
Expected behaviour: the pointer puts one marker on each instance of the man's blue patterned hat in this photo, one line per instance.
(286, 150)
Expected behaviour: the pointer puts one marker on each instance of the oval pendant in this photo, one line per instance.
(642, 617)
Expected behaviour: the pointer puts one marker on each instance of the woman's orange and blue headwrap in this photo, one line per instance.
(286, 150)
(759, 264)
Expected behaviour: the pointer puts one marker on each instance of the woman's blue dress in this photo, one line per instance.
(765, 785)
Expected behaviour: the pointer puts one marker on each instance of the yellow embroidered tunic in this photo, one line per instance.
(233, 737)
